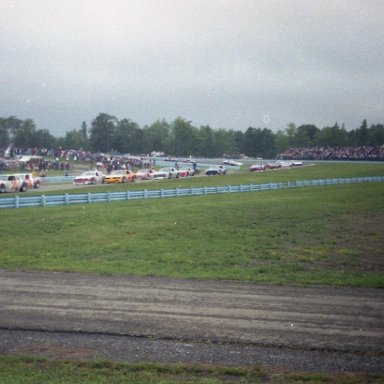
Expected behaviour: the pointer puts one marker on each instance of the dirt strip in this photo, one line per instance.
(69, 315)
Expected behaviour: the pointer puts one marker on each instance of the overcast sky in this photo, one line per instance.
(225, 63)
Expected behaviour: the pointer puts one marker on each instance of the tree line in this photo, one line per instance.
(180, 137)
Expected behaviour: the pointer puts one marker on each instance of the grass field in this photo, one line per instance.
(37, 371)
(322, 235)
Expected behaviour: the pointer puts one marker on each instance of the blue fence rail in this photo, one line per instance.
(103, 197)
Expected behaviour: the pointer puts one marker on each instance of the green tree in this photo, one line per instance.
(205, 141)
(183, 135)
(362, 133)
(139, 140)
(44, 139)
(291, 134)
(305, 135)
(103, 130)
(8, 128)
(221, 143)
(260, 143)
(157, 137)
(4, 133)
(84, 134)
(376, 134)
(238, 139)
(24, 136)
(332, 136)
(282, 141)
(128, 137)
(73, 139)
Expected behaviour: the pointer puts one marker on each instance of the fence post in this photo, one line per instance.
(43, 200)
(89, 198)
(66, 198)
(16, 201)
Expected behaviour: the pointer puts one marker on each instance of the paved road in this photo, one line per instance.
(129, 318)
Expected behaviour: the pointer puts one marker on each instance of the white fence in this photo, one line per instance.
(103, 197)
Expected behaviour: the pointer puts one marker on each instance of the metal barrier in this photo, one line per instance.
(103, 197)
(57, 179)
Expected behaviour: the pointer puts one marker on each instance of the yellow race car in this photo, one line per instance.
(120, 176)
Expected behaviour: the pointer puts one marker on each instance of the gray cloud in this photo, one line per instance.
(230, 64)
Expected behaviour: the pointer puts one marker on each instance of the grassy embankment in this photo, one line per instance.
(321, 235)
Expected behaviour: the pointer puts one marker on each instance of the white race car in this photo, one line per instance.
(12, 183)
(150, 174)
(232, 163)
(89, 177)
(171, 172)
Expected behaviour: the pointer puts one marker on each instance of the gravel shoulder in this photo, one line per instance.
(83, 316)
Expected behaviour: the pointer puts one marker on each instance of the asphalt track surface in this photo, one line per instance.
(132, 319)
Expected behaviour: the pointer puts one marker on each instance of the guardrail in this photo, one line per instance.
(57, 179)
(103, 197)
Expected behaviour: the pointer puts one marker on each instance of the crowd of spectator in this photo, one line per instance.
(59, 153)
(63, 158)
(372, 153)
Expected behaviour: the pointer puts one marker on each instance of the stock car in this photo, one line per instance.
(284, 164)
(150, 174)
(274, 165)
(184, 172)
(89, 177)
(172, 172)
(216, 170)
(12, 183)
(232, 163)
(30, 180)
(257, 167)
(144, 174)
(120, 176)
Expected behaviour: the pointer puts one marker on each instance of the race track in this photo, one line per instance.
(169, 320)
